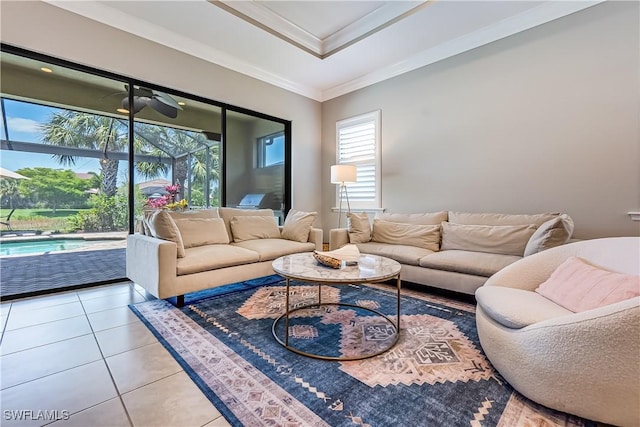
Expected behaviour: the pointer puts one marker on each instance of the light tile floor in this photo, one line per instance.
(82, 358)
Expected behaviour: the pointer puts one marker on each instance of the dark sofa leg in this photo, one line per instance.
(180, 301)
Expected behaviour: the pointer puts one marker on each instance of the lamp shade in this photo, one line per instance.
(343, 173)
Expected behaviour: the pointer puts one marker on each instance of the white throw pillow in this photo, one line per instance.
(397, 233)
(554, 232)
(297, 225)
(162, 226)
(254, 227)
(228, 213)
(198, 213)
(495, 239)
(427, 218)
(359, 227)
(202, 231)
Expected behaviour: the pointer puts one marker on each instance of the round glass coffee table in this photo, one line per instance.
(304, 267)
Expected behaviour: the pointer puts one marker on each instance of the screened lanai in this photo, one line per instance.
(96, 149)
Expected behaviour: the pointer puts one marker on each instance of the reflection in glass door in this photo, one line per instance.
(255, 163)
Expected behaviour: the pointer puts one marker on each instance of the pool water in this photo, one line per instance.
(42, 246)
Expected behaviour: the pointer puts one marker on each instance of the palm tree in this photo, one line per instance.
(100, 133)
(189, 150)
(90, 131)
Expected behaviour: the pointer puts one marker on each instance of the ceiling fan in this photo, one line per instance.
(159, 101)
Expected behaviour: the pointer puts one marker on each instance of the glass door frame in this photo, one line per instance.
(132, 82)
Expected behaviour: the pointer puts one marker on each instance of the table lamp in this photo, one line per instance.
(342, 174)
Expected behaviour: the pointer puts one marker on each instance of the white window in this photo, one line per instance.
(358, 143)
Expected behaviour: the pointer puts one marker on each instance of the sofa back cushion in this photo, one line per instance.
(202, 231)
(555, 232)
(297, 225)
(578, 286)
(247, 227)
(200, 213)
(429, 218)
(397, 233)
(359, 227)
(227, 213)
(162, 226)
(496, 239)
(470, 218)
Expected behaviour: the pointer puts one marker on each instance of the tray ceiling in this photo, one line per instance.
(323, 49)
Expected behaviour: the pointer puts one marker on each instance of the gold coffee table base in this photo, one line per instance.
(396, 333)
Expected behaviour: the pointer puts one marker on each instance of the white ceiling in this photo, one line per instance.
(323, 49)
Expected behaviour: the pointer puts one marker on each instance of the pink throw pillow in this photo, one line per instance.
(579, 286)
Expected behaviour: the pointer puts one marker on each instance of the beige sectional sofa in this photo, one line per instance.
(457, 251)
(176, 253)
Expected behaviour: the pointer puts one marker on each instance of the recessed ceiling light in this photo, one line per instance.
(122, 110)
(182, 103)
(46, 70)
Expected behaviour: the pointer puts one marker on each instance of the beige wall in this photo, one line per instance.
(545, 120)
(50, 30)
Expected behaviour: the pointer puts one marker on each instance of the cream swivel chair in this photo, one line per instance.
(585, 363)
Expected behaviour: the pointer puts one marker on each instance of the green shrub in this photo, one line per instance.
(107, 213)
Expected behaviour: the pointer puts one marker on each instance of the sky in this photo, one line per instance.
(23, 122)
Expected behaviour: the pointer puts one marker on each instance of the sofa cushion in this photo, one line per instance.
(202, 231)
(359, 227)
(254, 227)
(402, 253)
(472, 218)
(269, 249)
(421, 236)
(162, 226)
(431, 218)
(211, 257)
(517, 308)
(227, 213)
(468, 262)
(297, 225)
(496, 239)
(555, 232)
(199, 213)
(579, 286)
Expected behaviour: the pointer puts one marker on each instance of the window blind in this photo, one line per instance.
(358, 144)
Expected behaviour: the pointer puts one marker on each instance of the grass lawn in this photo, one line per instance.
(43, 213)
(38, 219)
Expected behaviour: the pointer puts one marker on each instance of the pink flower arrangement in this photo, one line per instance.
(168, 201)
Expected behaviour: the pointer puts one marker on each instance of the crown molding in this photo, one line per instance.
(161, 35)
(537, 16)
(377, 20)
(264, 18)
(534, 17)
(256, 13)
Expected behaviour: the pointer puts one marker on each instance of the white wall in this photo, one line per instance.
(50, 30)
(546, 120)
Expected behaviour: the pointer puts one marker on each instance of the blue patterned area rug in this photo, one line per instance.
(436, 375)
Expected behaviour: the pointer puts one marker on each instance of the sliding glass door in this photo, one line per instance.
(85, 151)
(255, 163)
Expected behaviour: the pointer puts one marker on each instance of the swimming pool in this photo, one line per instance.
(33, 247)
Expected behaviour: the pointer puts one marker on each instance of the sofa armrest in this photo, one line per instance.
(152, 264)
(315, 236)
(338, 237)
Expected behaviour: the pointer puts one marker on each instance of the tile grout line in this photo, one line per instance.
(4, 327)
(104, 360)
